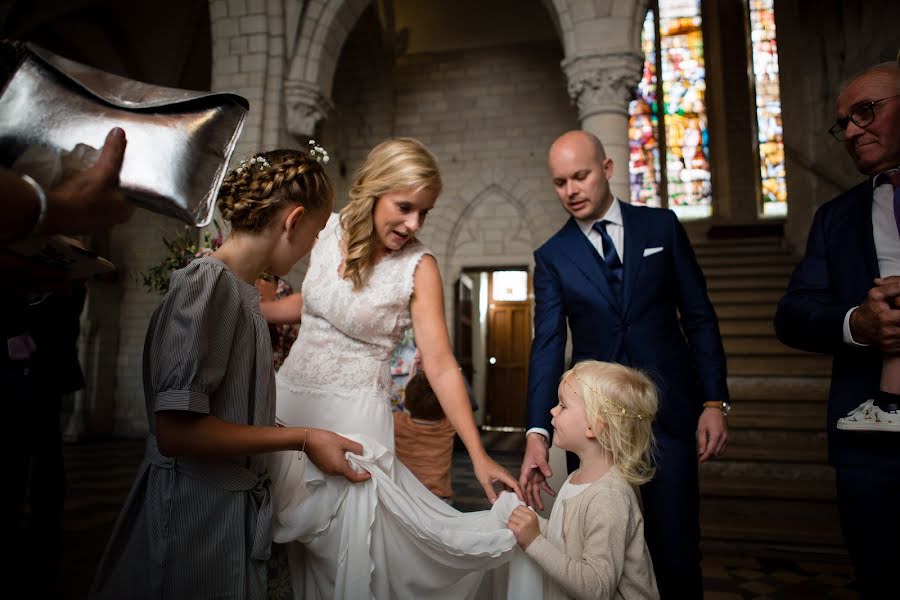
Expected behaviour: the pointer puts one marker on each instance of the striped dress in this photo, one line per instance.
(199, 528)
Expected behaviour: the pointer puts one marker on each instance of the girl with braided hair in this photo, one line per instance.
(197, 523)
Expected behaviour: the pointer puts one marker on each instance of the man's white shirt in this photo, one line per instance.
(616, 231)
(887, 243)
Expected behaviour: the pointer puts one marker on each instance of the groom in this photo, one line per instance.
(626, 282)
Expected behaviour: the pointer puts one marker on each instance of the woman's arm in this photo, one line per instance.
(184, 433)
(442, 371)
(284, 311)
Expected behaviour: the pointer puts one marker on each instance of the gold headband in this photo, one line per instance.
(619, 411)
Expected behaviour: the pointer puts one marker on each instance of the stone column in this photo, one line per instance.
(601, 86)
(305, 106)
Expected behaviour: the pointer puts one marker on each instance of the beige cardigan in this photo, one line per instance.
(606, 555)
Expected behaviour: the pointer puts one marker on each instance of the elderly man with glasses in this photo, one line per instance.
(843, 299)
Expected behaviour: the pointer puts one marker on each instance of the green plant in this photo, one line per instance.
(180, 251)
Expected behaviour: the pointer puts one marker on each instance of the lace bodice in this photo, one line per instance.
(347, 337)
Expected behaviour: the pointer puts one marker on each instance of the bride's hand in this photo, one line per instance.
(487, 471)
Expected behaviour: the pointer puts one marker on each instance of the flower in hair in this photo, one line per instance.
(318, 153)
(257, 161)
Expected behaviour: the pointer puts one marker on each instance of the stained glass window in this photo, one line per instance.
(768, 107)
(643, 126)
(679, 41)
(684, 108)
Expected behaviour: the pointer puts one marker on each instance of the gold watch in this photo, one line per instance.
(723, 405)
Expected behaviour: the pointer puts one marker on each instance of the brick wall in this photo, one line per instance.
(135, 247)
(490, 115)
(248, 49)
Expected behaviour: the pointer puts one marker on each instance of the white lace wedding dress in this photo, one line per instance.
(388, 537)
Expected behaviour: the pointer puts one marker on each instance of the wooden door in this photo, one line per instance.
(508, 349)
(462, 339)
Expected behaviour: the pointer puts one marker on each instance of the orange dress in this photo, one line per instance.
(426, 449)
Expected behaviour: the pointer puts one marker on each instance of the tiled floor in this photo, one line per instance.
(100, 475)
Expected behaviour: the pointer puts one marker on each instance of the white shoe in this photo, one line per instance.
(868, 417)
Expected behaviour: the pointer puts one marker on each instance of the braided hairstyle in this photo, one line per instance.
(252, 194)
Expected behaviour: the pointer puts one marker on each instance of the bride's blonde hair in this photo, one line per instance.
(401, 163)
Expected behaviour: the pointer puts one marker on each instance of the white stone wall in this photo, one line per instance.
(137, 247)
(363, 96)
(489, 115)
(844, 41)
(248, 59)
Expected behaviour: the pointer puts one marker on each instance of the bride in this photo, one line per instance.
(370, 279)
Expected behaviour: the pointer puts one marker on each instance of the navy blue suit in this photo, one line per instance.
(835, 275)
(664, 325)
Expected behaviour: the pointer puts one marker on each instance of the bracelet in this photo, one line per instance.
(305, 436)
(42, 199)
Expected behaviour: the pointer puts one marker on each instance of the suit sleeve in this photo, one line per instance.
(808, 318)
(698, 318)
(548, 347)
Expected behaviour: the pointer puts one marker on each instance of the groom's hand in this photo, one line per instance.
(326, 450)
(535, 470)
(712, 434)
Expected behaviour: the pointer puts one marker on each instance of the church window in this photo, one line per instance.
(764, 53)
(669, 166)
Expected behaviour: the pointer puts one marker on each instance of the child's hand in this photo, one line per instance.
(524, 524)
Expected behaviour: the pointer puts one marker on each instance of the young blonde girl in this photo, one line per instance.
(593, 544)
(197, 521)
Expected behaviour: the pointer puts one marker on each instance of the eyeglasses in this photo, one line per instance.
(861, 116)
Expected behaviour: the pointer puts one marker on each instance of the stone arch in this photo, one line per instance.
(323, 28)
(485, 221)
(494, 228)
(316, 35)
(562, 20)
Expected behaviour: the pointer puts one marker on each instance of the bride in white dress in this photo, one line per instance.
(369, 279)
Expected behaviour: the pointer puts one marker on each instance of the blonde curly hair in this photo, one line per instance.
(401, 163)
(253, 193)
(608, 390)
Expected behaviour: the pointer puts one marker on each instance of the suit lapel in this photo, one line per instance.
(635, 242)
(580, 251)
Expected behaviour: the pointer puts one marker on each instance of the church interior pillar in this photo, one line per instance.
(601, 86)
(305, 106)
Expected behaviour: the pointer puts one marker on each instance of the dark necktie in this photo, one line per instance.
(611, 258)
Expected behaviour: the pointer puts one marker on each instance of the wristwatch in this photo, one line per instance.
(723, 405)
